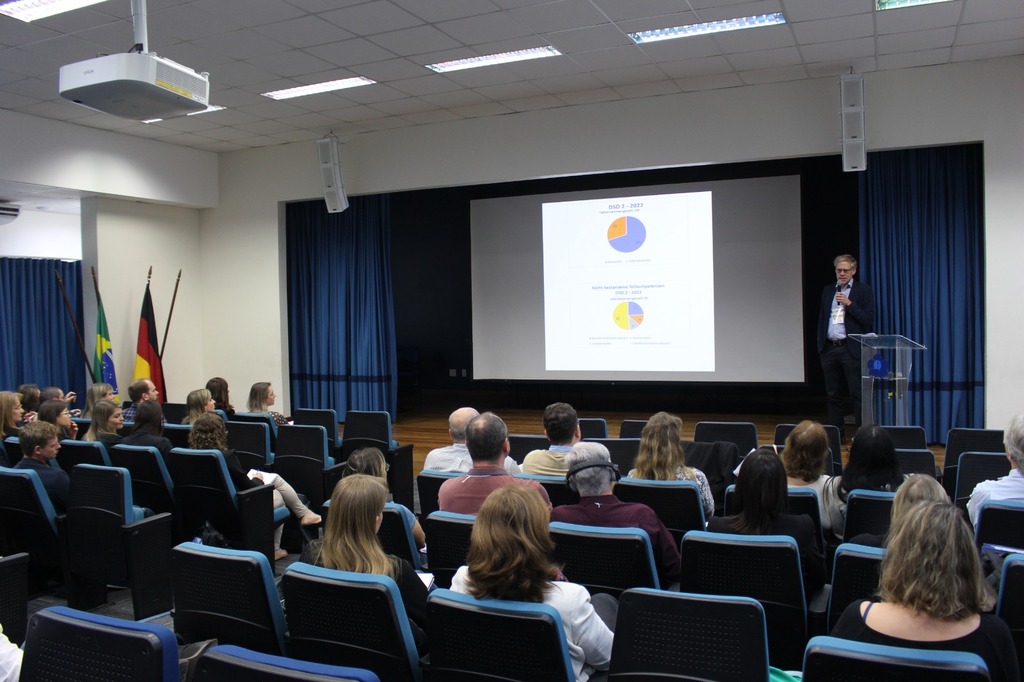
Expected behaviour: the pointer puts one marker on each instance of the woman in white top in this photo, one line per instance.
(509, 558)
(804, 457)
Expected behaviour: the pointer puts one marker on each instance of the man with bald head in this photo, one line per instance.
(455, 457)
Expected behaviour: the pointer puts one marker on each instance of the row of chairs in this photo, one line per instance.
(359, 620)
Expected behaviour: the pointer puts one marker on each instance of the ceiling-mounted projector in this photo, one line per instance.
(139, 86)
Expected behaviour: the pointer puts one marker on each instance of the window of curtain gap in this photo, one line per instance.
(341, 322)
(922, 250)
(36, 334)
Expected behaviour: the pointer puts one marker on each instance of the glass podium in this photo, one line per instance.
(885, 364)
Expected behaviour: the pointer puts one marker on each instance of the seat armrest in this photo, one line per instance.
(256, 509)
(817, 612)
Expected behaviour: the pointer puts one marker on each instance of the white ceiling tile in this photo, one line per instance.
(511, 91)
(433, 116)
(1006, 48)
(991, 32)
(484, 28)
(990, 10)
(655, 89)
(636, 74)
(416, 40)
(785, 73)
(684, 48)
(433, 12)
(753, 39)
(619, 10)
(559, 15)
(391, 69)
(766, 59)
(425, 85)
(252, 14)
(481, 110)
(712, 82)
(369, 18)
(585, 39)
(534, 103)
(570, 83)
(304, 31)
(241, 44)
(809, 10)
(915, 41)
(918, 18)
(589, 96)
(599, 60)
(290, 64)
(827, 30)
(911, 59)
(689, 68)
(351, 52)
(838, 51)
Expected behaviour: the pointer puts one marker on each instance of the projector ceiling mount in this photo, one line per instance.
(138, 85)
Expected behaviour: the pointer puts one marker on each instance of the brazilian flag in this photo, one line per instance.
(103, 363)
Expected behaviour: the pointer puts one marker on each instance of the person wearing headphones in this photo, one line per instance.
(593, 475)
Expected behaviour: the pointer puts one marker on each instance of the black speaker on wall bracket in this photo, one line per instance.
(330, 174)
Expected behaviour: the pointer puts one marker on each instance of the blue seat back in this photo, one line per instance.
(1010, 605)
(868, 511)
(369, 424)
(24, 502)
(449, 535)
(326, 418)
(855, 576)
(837, 660)
(975, 467)
(151, 483)
(395, 533)
(632, 428)
(607, 560)
(428, 484)
(230, 663)
(623, 451)
(254, 437)
(679, 635)
(177, 434)
(1001, 522)
(228, 595)
(555, 487)
(360, 618)
(743, 434)
(74, 452)
(66, 644)
(494, 637)
(763, 567)
(520, 445)
(12, 451)
(677, 503)
(593, 427)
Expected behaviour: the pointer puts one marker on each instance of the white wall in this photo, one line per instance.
(38, 234)
(242, 332)
(122, 239)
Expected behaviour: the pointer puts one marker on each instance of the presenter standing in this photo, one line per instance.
(847, 307)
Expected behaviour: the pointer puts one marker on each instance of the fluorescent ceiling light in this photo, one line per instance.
(30, 10)
(894, 4)
(490, 59)
(317, 88)
(708, 27)
(208, 109)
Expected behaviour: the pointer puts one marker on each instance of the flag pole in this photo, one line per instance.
(74, 322)
(163, 344)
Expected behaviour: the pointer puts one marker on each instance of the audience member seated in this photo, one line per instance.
(40, 443)
(261, 397)
(10, 659)
(96, 393)
(804, 457)
(149, 428)
(761, 499)
(1011, 486)
(371, 462)
(107, 419)
(917, 488)
(562, 427)
(487, 440)
(56, 412)
(199, 402)
(350, 544)
(209, 433)
(30, 400)
(661, 457)
(11, 413)
(455, 457)
(510, 558)
(57, 393)
(933, 593)
(218, 388)
(872, 466)
(139, 391)
(593, 475)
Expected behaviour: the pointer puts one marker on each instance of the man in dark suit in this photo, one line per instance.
(846, 308)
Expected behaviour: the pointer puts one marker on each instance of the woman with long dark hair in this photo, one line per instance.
(149, 428)
(761, 497)
(218, 388)
(57, 412)
(872, 466)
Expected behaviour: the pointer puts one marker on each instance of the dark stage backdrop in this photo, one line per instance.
(430, 250)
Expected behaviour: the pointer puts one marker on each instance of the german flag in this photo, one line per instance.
(147, 354)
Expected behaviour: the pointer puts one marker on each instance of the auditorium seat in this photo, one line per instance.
(959, 441)
(608, 560)
(229, 663)
(448, 536)
(677, 503)
(829, 659)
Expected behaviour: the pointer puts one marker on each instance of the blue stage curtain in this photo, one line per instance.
(922, 246)
(36, 334)
(341, 321)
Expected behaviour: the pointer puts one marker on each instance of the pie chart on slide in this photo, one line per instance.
(626, 234)
(628, 315)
